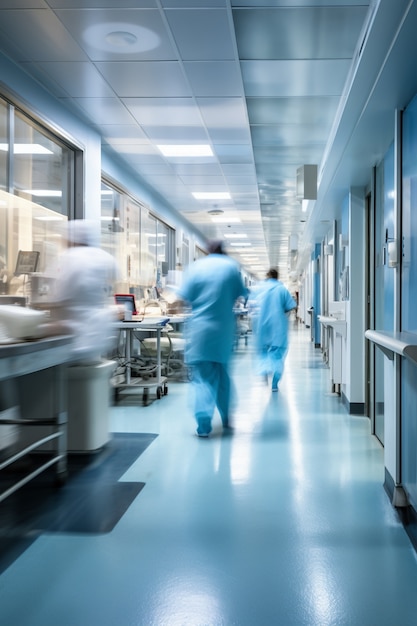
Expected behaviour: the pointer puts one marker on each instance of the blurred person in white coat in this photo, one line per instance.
(84, 283)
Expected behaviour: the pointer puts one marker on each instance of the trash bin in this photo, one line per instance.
(89, 406)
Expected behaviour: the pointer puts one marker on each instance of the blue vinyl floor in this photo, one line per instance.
(284, 523)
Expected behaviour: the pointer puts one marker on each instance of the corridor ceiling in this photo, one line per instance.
(269, 85)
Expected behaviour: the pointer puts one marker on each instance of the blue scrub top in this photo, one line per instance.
(211, 286)
(275, 301)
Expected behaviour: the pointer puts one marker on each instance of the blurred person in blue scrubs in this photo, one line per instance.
(274, 303)
(211, 286)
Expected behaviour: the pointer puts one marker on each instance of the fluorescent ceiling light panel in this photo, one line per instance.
(211, 195)
(235, 236)
(26, 148)
(43, 193)
(241, 243)
(225, 220)
(49, 218)
(197, 150)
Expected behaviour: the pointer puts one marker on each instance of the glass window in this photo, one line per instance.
(149, 247)
(36, 199)
(42, 167)
(142, 245)
(4, 144)
(29, 227)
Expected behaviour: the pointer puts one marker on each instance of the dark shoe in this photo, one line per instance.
(203, 427)
(202, 435)
(228, 430)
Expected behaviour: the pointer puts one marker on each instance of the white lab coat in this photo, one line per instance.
(85, 277)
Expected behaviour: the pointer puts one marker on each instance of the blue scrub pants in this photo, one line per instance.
(212, 388)
(272, 360)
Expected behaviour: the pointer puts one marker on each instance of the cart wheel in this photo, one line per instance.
(159, 392)
(165, 390)
(145, 397)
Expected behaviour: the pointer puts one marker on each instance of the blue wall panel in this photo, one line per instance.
(409, 300)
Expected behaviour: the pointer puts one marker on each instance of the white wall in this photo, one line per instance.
(354, 354)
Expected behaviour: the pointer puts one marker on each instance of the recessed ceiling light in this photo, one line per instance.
(235, 236)
(225, 220)
(184, 150)
(211, 195)
(49, 218)
(26, 148)
(43, 193)
(121, 39)
(241, 243)
(216, 212)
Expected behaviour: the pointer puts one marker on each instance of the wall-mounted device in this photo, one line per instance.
(392, 253)
(306, 183)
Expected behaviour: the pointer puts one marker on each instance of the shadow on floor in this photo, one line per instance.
(91, 501)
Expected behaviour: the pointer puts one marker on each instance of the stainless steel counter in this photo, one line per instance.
(37, 369)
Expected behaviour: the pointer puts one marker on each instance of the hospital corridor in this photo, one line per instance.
(282, 521)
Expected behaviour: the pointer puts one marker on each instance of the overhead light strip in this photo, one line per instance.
(192, 150)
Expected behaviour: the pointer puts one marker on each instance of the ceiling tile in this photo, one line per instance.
(80, 79)
(295, 3)
(223, 112)
(234, 153)
(176, 134)
(101, 110)
(24, 4)
(101, 4)
(123, 133)
(214, 78)
(238, 169)
(319, 110)
(35, 70)
(164, 111)
(202, 34)
(290, 135)
(148, 80)
(196, 169)
(297, 33)
(294, 78)
(216, 181)
(37, 35)
(193, 4)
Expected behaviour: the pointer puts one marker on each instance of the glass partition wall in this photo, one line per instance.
(143, 245)
(36, 199)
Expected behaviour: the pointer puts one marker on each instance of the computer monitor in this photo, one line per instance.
(127, 300)
(27, 262)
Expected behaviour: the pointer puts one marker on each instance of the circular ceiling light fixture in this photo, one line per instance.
(120, 37)
(215, 212)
